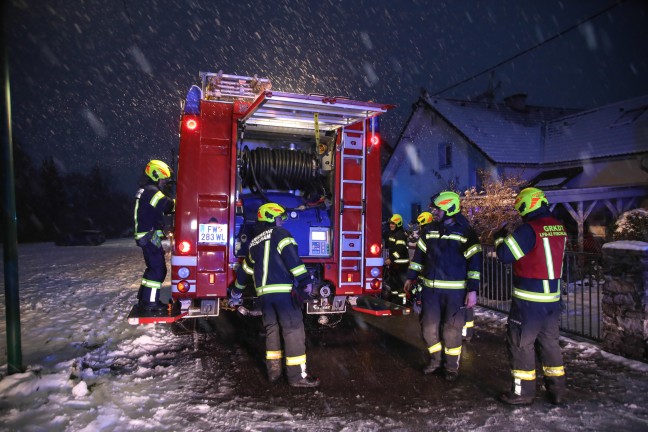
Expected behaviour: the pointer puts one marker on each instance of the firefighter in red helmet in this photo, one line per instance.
(448, 258)
(273, 264)
(536, 250)
(151, 204)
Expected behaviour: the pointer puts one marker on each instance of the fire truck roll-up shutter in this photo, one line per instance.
(277, 110)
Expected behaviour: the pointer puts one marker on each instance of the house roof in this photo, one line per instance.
(502, 133)
(542, 135)
(612, 130)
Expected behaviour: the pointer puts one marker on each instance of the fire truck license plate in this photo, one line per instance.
(212, 233)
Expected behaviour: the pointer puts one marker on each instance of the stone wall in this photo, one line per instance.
(625, 299)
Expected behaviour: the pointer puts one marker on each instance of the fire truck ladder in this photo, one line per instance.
(352, 241)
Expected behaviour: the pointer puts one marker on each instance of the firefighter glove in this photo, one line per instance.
(235, 297)
(302, 294)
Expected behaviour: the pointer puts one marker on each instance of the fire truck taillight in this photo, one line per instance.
(375, 249)
(375, 140)
(375, 284)
(183, 286)
(184, 247)
(191, 124)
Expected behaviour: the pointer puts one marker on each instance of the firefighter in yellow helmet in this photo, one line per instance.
(397, 260)
(272, 264)
(448, 262)
(536, 250)
(151, 204)
(424, 220)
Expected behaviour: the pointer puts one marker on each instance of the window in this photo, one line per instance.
(445, 155)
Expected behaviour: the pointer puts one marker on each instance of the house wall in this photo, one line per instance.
(419, 174)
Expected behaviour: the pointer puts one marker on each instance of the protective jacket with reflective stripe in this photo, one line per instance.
(397, 246)
(273, 262)
(150, 207)
(448, 256)
(536, 250)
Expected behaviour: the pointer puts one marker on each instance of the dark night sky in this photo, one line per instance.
(102, 80)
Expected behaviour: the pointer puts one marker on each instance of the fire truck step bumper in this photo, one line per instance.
(377, 306)
(138, 317)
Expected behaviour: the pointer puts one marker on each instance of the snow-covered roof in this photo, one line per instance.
(537, 135)
(612, 130)
(502, 133)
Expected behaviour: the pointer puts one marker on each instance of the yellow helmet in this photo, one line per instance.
(447, 201)
(269, 211)
(424, 218)
(157, 170)
(529, 199)
(397, 220)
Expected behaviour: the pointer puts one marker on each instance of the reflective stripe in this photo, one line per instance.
(457, 237)
(266, 260)
(270, 289)
(273, 355)
(452, 351)
(415, 266)
(470, 324)
(247, 269)
(296, 361)
(156, 198)
(433, 234)
(499, 241)
(472, 251)
(402, 242)
(151, 284)
(548, 257)
(524, 375)
(285, 242)
(421, 245)
(474, 275)
(514, 247)
(239, 286)
(444, 284)
(396, 254)
(139, 235)
(434, 348)
(299, 270)
(535, 296)
(553, 371)
(401, 261)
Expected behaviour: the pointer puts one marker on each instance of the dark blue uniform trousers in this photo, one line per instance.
(533, 327)
(283, 317)
(155, 272)
(442, 320)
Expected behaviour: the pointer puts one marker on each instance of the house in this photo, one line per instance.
(592, 165)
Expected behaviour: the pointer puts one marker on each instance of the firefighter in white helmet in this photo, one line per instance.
(273, 264)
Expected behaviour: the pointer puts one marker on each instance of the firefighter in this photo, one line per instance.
(273, 264)
(151, 204)
(536, 250)
(398, 257)
(449, 260)
(424, 220)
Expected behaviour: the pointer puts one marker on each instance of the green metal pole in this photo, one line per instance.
(10, 237)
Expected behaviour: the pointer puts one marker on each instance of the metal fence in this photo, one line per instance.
(581, 290)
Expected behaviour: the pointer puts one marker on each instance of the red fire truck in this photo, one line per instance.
(243, 144)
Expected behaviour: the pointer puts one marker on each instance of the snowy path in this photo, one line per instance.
(88, 370)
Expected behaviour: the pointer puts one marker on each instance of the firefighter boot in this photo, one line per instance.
(523, 393)
(432, 366)
(274, 370)
(297, 377)
(555, 386)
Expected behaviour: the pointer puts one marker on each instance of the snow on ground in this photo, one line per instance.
(87, 369)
